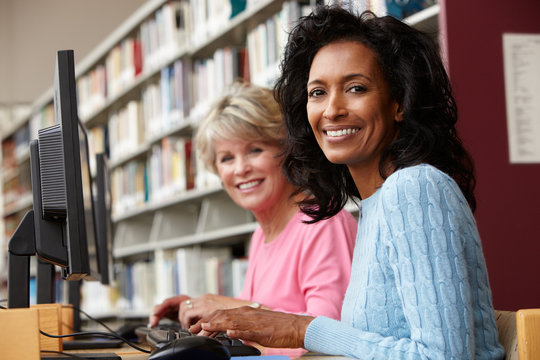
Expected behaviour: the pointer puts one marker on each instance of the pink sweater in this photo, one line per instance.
(306, 269)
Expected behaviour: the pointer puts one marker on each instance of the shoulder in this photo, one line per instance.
(422, 192)
(423, 183)
(336, 232)
(342, 219)
(422, 173)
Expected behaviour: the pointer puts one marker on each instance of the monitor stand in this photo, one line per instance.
(22, 245)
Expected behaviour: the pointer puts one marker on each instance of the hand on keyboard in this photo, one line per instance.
(162, 334)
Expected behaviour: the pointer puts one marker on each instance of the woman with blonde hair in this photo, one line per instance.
(294, 266)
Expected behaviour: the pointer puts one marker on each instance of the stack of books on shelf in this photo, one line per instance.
(209, 17)
(165, 103)
(396, 8)
(157, 41)
(126, 131)
(170, 164)
(129, 187)
(212, 75)
(266, 41)
(164, 34)
(140, 285)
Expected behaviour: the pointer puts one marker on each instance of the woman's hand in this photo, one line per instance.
(168, 308)
(265, 327)
(205, 305)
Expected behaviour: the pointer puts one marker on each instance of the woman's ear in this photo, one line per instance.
(398, 113)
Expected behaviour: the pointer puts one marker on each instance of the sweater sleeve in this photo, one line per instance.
(425, 225)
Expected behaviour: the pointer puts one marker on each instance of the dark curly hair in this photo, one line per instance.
(418, 81)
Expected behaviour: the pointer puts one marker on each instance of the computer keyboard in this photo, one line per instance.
(159, 336)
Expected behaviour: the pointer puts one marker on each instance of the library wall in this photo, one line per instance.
(4, 46)
(28, 42)
(508, 194)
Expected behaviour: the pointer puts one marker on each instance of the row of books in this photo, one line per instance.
(208, 17)
(396, 8)
(171, 169)
(129, 187)
(193, 271)
(168, 170)
(156, 40)
(212, 75)
(159, 39)
(166, 103)
(266, 41)
(135, 125)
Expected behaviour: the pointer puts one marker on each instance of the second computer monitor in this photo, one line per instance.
(102, 203)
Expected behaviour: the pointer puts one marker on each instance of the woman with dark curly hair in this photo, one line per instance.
(370, 115)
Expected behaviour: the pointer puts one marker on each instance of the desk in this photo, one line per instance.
(128, 353)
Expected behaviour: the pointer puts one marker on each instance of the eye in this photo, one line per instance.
(224, 159)
(315, 93)
(256, 150)
(357, 89)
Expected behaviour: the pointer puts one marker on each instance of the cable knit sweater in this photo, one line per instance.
(419, 287)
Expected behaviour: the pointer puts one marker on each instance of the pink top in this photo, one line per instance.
(306, 269)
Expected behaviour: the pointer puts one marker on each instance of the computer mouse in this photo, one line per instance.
(192, 348)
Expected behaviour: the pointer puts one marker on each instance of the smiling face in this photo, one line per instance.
(251, 174)
(349, 107)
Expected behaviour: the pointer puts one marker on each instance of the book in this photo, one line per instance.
(191, 267)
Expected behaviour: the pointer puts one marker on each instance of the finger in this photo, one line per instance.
(153, 320)
(167, 309)
(213, 327)
(206, 333)
(189, 314)
(158, 313)
(191, 318)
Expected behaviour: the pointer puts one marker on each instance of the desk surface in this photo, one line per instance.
(128, 353)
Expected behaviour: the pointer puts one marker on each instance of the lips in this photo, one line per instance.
(248, 185)
(341, 132)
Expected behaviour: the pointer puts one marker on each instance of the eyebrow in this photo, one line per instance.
(347, 77)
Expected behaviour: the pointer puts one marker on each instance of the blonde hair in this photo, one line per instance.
(246, 112)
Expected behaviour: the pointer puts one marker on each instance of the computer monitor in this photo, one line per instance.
(104, 230)
(103, 253)
(61, 228)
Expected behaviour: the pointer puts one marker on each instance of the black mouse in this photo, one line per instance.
(192, 348)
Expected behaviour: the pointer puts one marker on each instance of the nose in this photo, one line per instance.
(242, 166)
(335, 107)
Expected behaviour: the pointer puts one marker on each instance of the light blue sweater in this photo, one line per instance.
(419, 287)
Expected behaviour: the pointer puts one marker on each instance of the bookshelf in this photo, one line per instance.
(141, 94)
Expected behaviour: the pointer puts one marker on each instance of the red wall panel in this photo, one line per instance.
(508, 195)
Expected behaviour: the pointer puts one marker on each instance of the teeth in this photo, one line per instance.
(249, 184)
(341, 132)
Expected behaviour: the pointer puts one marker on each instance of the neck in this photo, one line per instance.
(274, 219)
(367, 178)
